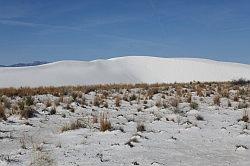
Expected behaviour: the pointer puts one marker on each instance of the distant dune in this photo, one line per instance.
(132, 69)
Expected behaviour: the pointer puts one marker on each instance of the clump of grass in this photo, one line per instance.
(106, 105)
(41, 158)
(97, 101)
(174, 102)
(139, 109)
(245, 117)
(79, 123)
(140, 127)
(117, 101)
(48, 103)
(53, 111)
(95, 119)
(6, 102)
(133, 97)
(27, 112)
(21, 105)
(158, 103)
(216, 100)
(74, 95)
(242, 105)
(194, 105)
(225, 93)
(236, 98)
(199, 92)
(189, 98)
(104, 123)
(23, 142)
(2, 113)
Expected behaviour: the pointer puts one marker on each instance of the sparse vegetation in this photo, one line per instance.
(159, 109)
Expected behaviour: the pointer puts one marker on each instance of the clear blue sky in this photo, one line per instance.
(52, 30)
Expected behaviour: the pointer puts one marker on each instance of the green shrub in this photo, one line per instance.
(194, 105)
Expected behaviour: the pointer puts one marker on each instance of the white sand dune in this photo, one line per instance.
(132, 69)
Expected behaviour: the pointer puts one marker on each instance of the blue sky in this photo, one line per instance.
(51, 30)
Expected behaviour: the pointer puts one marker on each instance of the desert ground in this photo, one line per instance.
(196, 123)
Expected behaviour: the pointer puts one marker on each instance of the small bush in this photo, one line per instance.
(21, 105)
(2, 113)
(194, 105)
(104, 123)
(29, 101)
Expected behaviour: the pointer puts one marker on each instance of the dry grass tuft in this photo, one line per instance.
(104, 123)
(97, 101)
(216, 100)
(140, 127)
(245, 117)
(174, 102)
(27, 112)
(117, 101)
(79, 123)
(2, 113)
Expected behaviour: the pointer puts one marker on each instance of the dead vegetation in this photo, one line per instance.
(2, 113)
(104, 122)
(79, 123)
